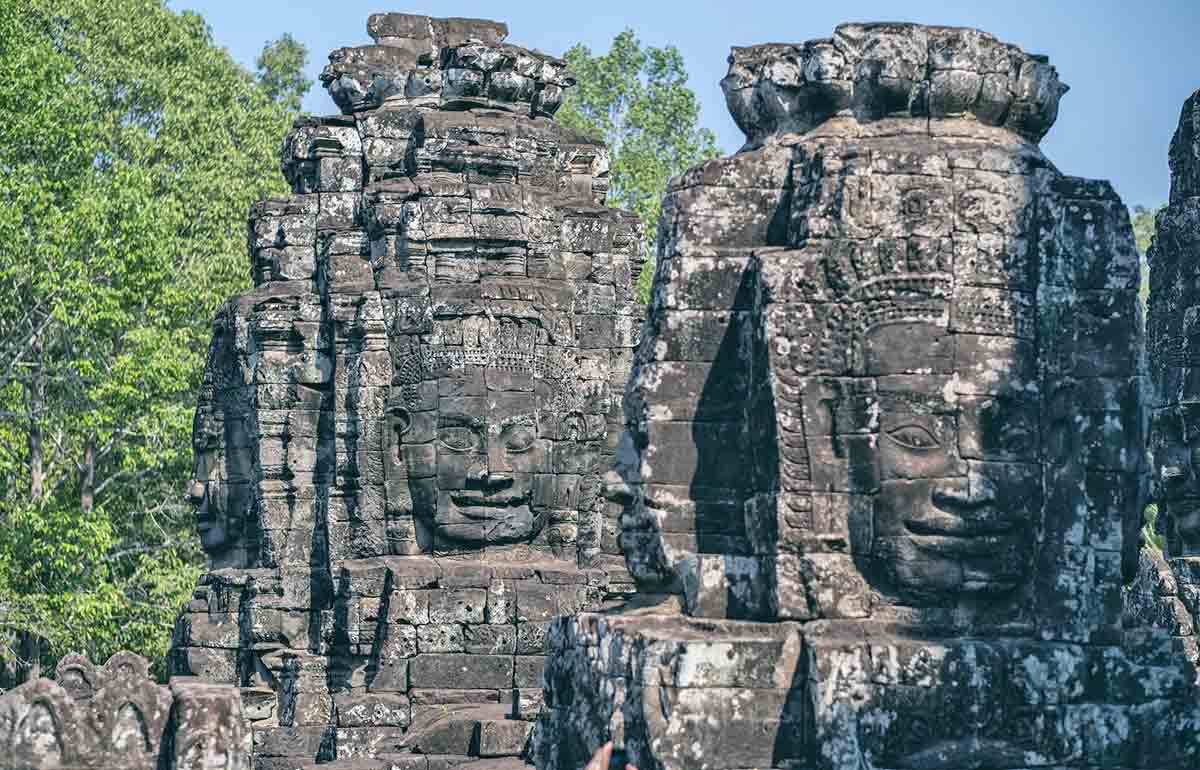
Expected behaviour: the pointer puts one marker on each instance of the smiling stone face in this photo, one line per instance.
(939, 395)
(473, 462)
(222, 487)
(960, 489)
(490, 446)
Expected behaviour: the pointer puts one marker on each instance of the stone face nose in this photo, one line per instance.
(963, 495)
(195, 492)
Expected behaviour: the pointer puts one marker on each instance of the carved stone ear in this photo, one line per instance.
(572, 427)
(400, 420)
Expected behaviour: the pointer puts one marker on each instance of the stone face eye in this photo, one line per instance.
(1004, 427)
(518, 438)
(457, 438)
(913, 437)
(915, 203)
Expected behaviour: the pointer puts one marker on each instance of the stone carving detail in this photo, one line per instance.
(884, 448)
(874, 71)
(402, 430)
(117, 717)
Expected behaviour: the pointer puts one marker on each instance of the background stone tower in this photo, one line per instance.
(1167, 591)
(403, 426)
(884, 452)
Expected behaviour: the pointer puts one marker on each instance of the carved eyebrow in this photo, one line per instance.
(458, 419)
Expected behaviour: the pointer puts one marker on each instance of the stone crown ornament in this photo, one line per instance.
(883, 471)
(877, 71)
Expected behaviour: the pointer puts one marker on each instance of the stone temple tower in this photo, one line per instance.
(1167, 592)
(403, 427)
(883, 463)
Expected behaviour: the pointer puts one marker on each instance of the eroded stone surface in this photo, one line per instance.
(403, 428)
(885, 70)
(118, 717)
(884, 453)
(1166, 594)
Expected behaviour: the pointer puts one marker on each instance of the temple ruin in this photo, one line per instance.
(404, 426)
(860, 489)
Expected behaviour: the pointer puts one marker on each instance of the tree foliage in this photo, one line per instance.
(281, 72)
(1143, 234)
(636, 99)
(130, 149)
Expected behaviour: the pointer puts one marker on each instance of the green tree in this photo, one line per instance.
(130, 149)
(281, 71)
(636, 99)
(1143, 235)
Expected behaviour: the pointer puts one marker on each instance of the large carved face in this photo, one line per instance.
(491, 454)
(220, 488)
(959, 484)
(1175, 437)
(1176, 441)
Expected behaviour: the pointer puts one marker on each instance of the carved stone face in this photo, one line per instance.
(220, 486)
(493, 458)
(959, 483)
(1176, 437)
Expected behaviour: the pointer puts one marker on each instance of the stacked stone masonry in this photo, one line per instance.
(926, 342)
(116, 717)
(403, 427)
(880, 468)
(1166, 594)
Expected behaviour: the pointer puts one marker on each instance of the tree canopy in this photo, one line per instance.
(636, 99)
(281, 71)
(131, 147)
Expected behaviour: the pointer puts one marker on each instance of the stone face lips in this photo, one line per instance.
(403, 427)
(877, 71)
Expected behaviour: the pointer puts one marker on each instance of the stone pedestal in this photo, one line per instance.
(681, 692)
(674, 691)
(410, 642)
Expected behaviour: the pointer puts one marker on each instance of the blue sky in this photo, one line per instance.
(1130, 65)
